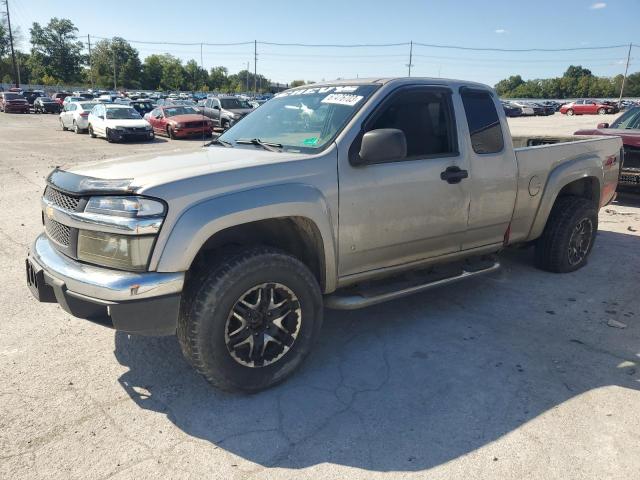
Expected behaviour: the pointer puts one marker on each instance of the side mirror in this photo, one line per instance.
(382, 145)
(603, 125)
(216, 107)
(101, 117)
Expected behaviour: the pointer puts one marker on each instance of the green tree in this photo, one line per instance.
(577, 71)
(195, 76)
(117, 53)
(297, 83)
(172, 73)
(56, 51)
(218, 80)
(152, 72)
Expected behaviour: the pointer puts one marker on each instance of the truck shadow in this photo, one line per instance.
(414, 383)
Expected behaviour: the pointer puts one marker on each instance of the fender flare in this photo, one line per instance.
(584, 166)
(201, 221)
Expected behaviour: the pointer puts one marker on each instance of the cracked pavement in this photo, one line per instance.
(512, 376)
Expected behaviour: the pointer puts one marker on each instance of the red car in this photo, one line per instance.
(626, 126)
(179, 121)
(588, 107)
(60, 96)
(13, 102)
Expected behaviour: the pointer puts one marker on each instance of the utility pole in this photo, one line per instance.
(626, 69)
(115, 83)
(255, 67)
(16, 73)
(410, 64)
(90, 67)
(201, 68)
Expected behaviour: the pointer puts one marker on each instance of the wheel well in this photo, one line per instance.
(587, 187)
(297, 236)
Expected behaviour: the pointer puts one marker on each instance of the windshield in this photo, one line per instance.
(122, 114)
(87, 105)
(46, 99)
(173, 111)
(233, 103)
(302, 120)
(13, 96)
(630, 119)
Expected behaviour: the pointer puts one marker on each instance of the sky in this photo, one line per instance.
(503, 24)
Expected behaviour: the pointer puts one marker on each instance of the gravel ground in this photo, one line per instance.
(523, 374)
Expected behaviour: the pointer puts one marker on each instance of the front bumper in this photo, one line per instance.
(128, 135)
(192, 131)
(144, 303)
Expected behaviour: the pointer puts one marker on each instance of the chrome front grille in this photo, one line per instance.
(58, 232)
(60, 199)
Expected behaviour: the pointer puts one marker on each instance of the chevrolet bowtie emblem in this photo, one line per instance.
(49, 211)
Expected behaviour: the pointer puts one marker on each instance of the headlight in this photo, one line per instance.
(125, 206)
(180, 125)
(124, 252)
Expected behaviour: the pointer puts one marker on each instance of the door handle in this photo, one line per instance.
(453, 175)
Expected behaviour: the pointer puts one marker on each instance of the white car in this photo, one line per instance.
(105, 99)
(75, 116)
(118, 122)
(525, 107)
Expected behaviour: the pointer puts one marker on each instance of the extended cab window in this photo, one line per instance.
(425, 116)
(483, 121)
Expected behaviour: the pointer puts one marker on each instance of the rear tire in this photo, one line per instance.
(228, 330)
(568, 236)
(64, 129)
(76, 129)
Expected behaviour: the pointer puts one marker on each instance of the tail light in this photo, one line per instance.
(84, 114)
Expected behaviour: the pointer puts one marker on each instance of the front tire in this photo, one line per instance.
(250, 322)
(570, 112)
(76, 129)
(601, 111)
(91, 132)
(170, 133)
(568, 236)
(64, 129)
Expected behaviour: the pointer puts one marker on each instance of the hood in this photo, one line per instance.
(127, 122)
(149, 170)
(188, 117)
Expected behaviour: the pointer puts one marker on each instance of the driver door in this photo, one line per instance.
(398, 212)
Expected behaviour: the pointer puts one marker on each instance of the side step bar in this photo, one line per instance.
(354, 299)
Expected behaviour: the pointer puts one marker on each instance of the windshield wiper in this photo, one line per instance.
(272, 147)
(217, 141)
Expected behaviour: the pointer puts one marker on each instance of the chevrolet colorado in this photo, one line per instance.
(341, 194)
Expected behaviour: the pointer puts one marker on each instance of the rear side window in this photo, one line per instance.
(483, 121)
(426, 118)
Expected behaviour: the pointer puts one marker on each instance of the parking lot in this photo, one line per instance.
(521, 374)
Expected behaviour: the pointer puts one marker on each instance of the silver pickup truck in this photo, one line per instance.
(343, 194)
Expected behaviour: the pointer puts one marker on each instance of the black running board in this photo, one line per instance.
(352, 299)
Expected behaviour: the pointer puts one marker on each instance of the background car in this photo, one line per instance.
(588, 107)
(75, 116)
(71, 98)
(13, 102)
(46, 105)
(142, 106)
(31, 95)
(626, 126)
(226, 111)
(511, 110)
(179, 121)
(527, 110)
(60, 96)
(117, 123)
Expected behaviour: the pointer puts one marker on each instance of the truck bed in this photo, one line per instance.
(539, 156)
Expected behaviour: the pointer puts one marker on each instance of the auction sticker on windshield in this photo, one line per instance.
(342, 99)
